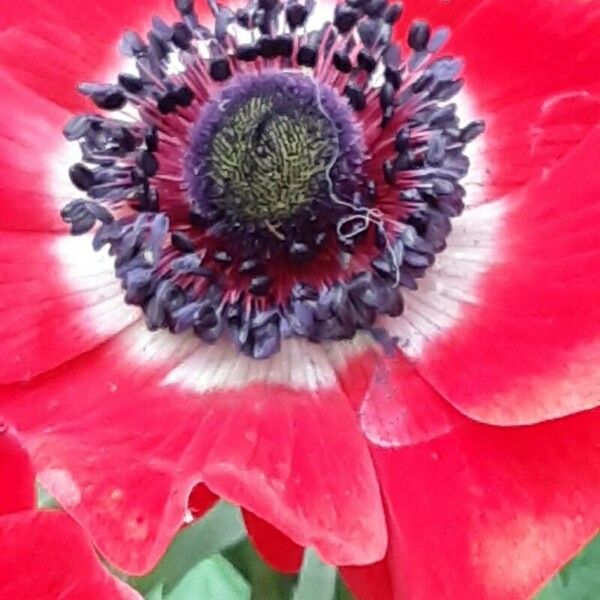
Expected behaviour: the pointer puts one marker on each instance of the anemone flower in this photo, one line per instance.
(279, 261)
(45, 554)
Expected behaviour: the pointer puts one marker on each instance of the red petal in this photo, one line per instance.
(526, 348)
(121, 435)
(201, 500)
(54, 287)
(370, 582)
(448, 13)
(275, 547)
(481, 511)
(531, 73)
(543, 326)
(51, 46)
(17, 484)
(34, 181)
(46, 556)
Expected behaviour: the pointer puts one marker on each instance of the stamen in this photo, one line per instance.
(262, 181)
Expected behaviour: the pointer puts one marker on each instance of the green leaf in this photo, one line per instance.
(219, 529)
(44, 499)
(211, 579)
(266, 583)
(579, 579)
(317, 580)
(155, 593)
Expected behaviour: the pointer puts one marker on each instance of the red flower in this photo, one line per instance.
(45, 554)
(469, 459)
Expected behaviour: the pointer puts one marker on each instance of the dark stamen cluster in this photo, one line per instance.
(289, 184)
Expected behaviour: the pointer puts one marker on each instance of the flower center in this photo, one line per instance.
(265, 147)
(287, 186)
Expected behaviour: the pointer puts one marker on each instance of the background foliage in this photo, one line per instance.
(212, 559)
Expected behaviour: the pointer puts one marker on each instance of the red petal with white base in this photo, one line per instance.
(17, 484)
(34, 181)
(477, 511)
(531, 73)
(58, 298)
(51, 46)
(526, 346)
(45, 555)
(158, 413)
(275, 547)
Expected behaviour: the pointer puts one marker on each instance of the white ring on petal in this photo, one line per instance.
(451, 282)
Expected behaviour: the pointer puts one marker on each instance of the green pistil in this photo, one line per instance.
(268, 164)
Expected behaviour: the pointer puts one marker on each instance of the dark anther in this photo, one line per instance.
(392, 13)
(267, 47)
(368, 31)
(161, 29)
(111, 99)
(342, 62)
(422, 83)
(267, 5)
(404, 161)
(244, 18)
(386, 96)
(77, 127)
(219, 69)
(355, 96)
(438, 39)
(246, 52)
(81, 215)
(383, 267)
(81, 176)
(159, 48)
(471, 131)
(345, 18)
(402, 140)
(366, 61)
(222, 257)
(182, 36)
(167, 103)
(100, 213)
(388, 113)
(393, 76)
(249, 265)
(284, 45)
(183, 96)
(130, 83)
(151, 139)
(300, 251)
(307, 56)
(259, 285)
(442, 187)
(418, 35)
(436, 150)
(182, 242)
(388, 172)
(147, 162)
(445, 68)
(375, 8)
(371, 191)
(132, 44)
(149, 201)
(185, 7)
(295, 15)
